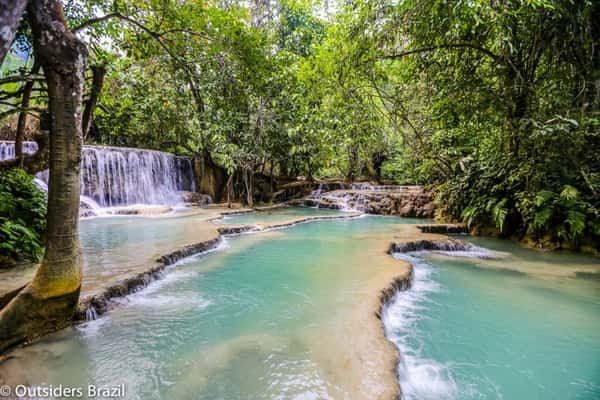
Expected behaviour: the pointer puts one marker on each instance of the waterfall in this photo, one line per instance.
(317, 194)
(339, 199)
(7, 149)
(114, 176)
(377, 188)
(91, 314)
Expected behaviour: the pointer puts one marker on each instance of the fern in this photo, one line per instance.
(499, 213)
(469, 215)
(543, 196)
(576, 222)
(569, 193)
(542, 217)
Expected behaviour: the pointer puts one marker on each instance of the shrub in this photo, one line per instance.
(22, 216)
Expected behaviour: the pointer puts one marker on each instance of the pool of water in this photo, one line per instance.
(525, 326)
(115, 246)
(259, 319)
(278, 315)
(119, 245)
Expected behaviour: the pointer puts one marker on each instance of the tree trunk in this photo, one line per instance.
(248, 183)
(48, 302)
(98, 72)
(22, 122)
(352, 163)
(10, 15)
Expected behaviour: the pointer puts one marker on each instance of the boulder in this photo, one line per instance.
(199, 199)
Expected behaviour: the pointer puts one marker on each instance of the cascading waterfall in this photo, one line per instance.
(341, 199)
(317, 194)
(7, 149)
(112, 176)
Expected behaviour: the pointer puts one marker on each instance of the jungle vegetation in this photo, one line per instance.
(494, 105)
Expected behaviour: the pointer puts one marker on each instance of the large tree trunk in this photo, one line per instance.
(49, 301)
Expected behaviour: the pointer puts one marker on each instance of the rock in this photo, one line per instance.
(444, 228)
(85, 211)
(403, 201)
(199, 199)
(432, 245)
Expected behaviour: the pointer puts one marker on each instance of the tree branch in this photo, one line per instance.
(472, 46)
(93, 21)
(21, 78)
(22, 122)
(159, 37)
(19, 109)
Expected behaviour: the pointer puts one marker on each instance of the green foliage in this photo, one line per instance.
(22, 216)
(495, 104)
(553, 194)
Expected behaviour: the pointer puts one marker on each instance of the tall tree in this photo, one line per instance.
(49, 301)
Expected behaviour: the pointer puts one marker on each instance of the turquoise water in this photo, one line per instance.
(274, 316)
(114, 246)
(258, 319)
(522, 327)
(119, 245)
(276, 215)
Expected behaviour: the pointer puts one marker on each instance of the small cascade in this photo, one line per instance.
(369, 187)
(113, 176)
(7, 149)
(451, 247)
(317, 195)
(339, 199)
(91, 314)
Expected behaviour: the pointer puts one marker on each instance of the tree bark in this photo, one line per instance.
(98, 73)
(22, 122)
(10, 15)
(49, 300)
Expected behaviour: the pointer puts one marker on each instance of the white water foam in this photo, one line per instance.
(420, 378)
(474, 252)
(144, 296)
